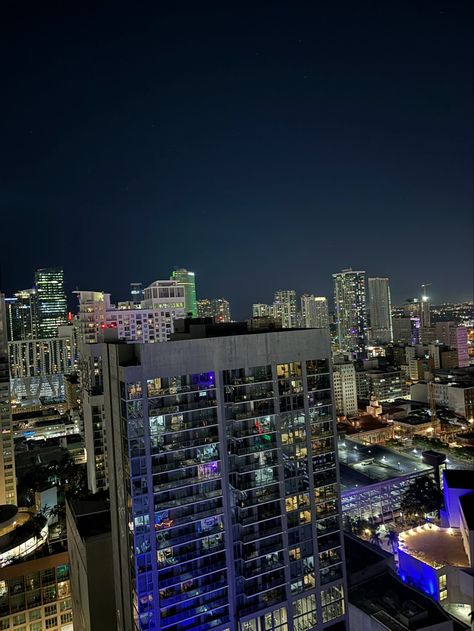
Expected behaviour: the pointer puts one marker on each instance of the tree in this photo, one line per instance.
(422, 496)
(392, 539)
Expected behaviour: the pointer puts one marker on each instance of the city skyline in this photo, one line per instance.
(256, 121)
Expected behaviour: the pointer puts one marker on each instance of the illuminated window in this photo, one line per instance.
(443, 589)
(304, 613)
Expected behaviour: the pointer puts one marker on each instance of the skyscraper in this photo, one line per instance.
(7, 453)
(380, 310)
(51, 301)
(224, 482)
(136, 293)
(284, 307)
(188, 280)
(21, 316)
(314, 312)
(351, 315)
(217, 308)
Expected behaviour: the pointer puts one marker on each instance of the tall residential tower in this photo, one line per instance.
(351, 315)
(7, 453)
(224, 481)
(314, 312)
(380, 310)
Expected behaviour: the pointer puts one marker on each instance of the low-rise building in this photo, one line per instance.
(440, 561)
(380, 600)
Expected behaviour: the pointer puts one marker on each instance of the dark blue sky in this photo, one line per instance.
(264, 145)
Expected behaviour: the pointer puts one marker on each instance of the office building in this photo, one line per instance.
(188, 280)
(50, 301)
(351, 316)
(22, 318)
(7, 453)
(380, 310)
(216, 308)
(314, 312)
(224, 481)
(284, 308)
(345, 389)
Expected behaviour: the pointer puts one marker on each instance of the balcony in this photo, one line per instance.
(192, 517)
(262, 533)
(193, 612)
(218, 585)
(189, 571)
(190, 556)
(255, 587)
(194, 499)
(176, 484)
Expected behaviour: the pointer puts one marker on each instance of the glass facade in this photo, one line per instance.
(51, 301)
(232, 498)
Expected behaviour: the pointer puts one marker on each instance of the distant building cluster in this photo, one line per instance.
(218, 462)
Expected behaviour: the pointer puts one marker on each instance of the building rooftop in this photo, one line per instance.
(362, 465)
(360, 555)
(92, 516)
(397, 606)
(434, 546)
(195, 328)
(459, 478)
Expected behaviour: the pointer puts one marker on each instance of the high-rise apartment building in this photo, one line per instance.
(50, 300)
(224, 482)
(22, 319)
(7, 452)
(260, 310)
(380, 310)
(284, 307)
(314, 312)
(163, 302)
(216, 308)
(188, 280)
(351, 315)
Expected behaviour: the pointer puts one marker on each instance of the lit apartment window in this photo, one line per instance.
(443, 589)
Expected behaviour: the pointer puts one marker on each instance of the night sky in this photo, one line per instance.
(263, 145)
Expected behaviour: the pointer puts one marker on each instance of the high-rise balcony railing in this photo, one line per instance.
(176, 575)
(185, 481)
(259, 514)
(187, 514)
(256, 550)
(193, 555)
(261, 533)
(193, 593)
(167, 538)
(257, 586)
(194, 612)
(183, 463)
(192, 499)
(255, 462)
